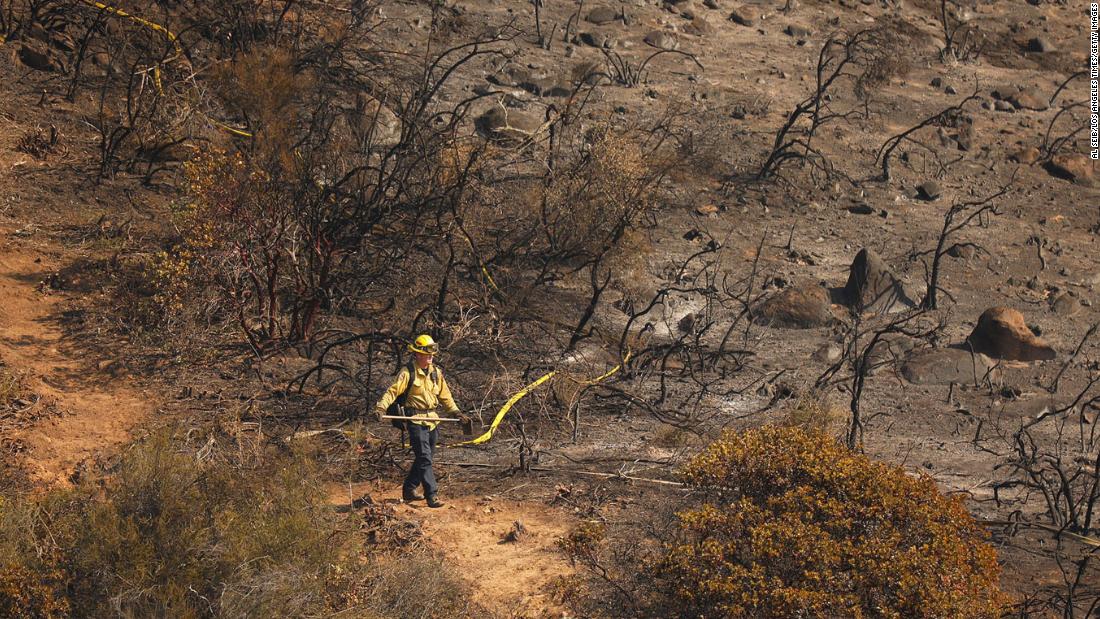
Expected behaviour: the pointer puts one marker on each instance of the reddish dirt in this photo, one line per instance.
(510, 578)
(93, 413)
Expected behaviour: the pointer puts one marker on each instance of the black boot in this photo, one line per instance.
(433, 501)
(411, 495)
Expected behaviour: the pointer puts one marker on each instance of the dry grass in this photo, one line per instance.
(173, 534)
(811, 412)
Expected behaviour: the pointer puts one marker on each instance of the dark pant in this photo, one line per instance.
(423, 445)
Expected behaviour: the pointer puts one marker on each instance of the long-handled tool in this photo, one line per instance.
(467, 425)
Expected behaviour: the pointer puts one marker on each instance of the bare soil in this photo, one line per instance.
(86, 412)
(87, 401)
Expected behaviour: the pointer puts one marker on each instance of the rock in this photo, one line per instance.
(796, 307)
(1026, 156)
(542, 86)
(1040, 45)
(591, 39)
(889, 352)
(687, 323)
(507, 125)
(965, 136)
(515, 534)
(1073, 167)
(949, 89)
(746, 15)
(798, 32)
(861, 209)
(1004, 91)
(929, 190)
(590, 73)
(1002, 333)
(510, 76)
(1020, 409)
(700, 26)
(706, 210)
(1003, 106)
(602, 15)
(1065, 305)
(38, 60)
(872, 286)
(828, 353)
(1030, 99)
(711, 4)
(547, 87)
(661, 40)
(943, 366)
(937, 82)
(964, 251)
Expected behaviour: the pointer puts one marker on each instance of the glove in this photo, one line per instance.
(378, 412)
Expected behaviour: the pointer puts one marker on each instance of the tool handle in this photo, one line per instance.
(432, 419)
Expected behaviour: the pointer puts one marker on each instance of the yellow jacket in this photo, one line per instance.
(425, 394)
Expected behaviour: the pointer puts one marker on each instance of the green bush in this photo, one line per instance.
(795, 524)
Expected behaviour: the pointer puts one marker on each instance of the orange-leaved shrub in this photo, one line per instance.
(31, 594)
(795, 524)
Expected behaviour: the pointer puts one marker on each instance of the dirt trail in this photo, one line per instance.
(509, 578)
(93, 412)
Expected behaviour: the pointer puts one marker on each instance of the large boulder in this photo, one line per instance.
(1002, 333)
(507, 125)
(943, 366)
(512, 75)
(746, 15)
(872, 286)
(1074, 167)
(603, 15)
(891, 350)
(803, 306)
(661, 40)
(39, 58)
(1029, 99)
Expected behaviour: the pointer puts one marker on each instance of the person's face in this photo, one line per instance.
(423, 360)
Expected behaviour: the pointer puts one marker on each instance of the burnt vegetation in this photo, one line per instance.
(333, 189)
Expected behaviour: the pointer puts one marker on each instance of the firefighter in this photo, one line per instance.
(423, 398)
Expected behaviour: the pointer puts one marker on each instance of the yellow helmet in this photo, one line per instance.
(424, 344)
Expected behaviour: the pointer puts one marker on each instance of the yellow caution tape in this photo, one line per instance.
(148, 24)
(144, 22)
(484, 271)
(156, 69)
(489, 278)
(504, 410)
(523, 392)
(225, 127)
(609, 372)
